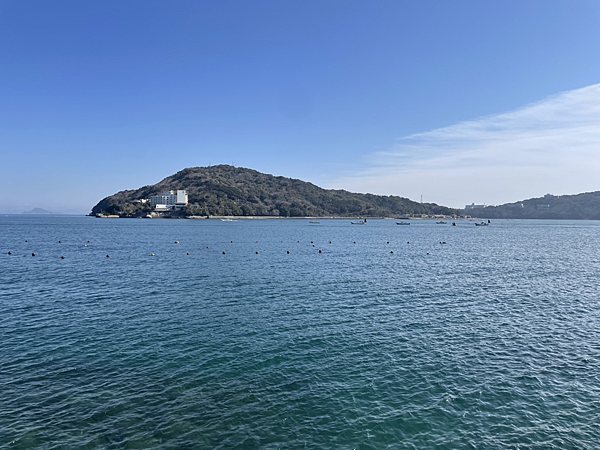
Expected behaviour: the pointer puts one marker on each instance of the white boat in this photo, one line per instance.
(227, 220)
(441, 222)
(402, 223)
(482, 224)
(360, 222)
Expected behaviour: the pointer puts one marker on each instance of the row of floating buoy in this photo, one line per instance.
(60, 242)
(108, 256)
(224, 253)
(62, 257)
(312, 242)
(177, 242)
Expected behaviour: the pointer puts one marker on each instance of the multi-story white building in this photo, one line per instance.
(169, 200)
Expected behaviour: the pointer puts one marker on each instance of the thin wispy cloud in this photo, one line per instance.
(549, 146)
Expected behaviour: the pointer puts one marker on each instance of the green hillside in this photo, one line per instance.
(232, 191)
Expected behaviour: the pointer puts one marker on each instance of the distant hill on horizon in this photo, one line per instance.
(37, 211)
(585, 206)
(225, 190)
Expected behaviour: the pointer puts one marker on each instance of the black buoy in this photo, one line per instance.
(391, 252)
(355, 242)
(26, 241)
(33, 254)
(177, 242)
(10, 253)
(62, 257)
(288, 252)
(60, 242)
(108, 256)
(187, 253)
(231, 242)
(223, 252)
(256, 253)
(388, 242)
(320, 251)
(330, 242)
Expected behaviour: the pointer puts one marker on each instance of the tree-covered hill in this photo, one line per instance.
(225, 190)
(579, 206)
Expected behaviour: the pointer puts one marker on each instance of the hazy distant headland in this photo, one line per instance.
(37, 211)
(234, 191)
(574, 207)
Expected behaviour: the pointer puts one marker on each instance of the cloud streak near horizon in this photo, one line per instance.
(552, 146)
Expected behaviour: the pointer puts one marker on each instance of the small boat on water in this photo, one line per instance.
(314, 223)
(481, 224)
(403, 223)
(227, 220)
(441, 222)
(360, 222)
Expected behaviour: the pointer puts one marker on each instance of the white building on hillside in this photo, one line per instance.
(169, 200)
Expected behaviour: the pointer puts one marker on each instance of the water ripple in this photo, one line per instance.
(489, 341)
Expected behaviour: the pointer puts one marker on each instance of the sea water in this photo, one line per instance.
(286, 334)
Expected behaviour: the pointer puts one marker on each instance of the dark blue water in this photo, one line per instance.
(491, 340)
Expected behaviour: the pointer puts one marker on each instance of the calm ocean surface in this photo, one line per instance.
(490, 341)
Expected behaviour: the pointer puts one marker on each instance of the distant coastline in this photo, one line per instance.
(462, 219)
(39, 211)
(233, 192)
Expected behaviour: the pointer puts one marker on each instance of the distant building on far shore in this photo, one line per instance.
(169, 200)
(474, 206)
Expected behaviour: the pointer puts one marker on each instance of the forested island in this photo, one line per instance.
(225, 190)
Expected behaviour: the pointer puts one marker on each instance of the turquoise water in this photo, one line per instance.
(491, 340)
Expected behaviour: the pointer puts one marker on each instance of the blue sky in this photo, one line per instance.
(462, 101)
